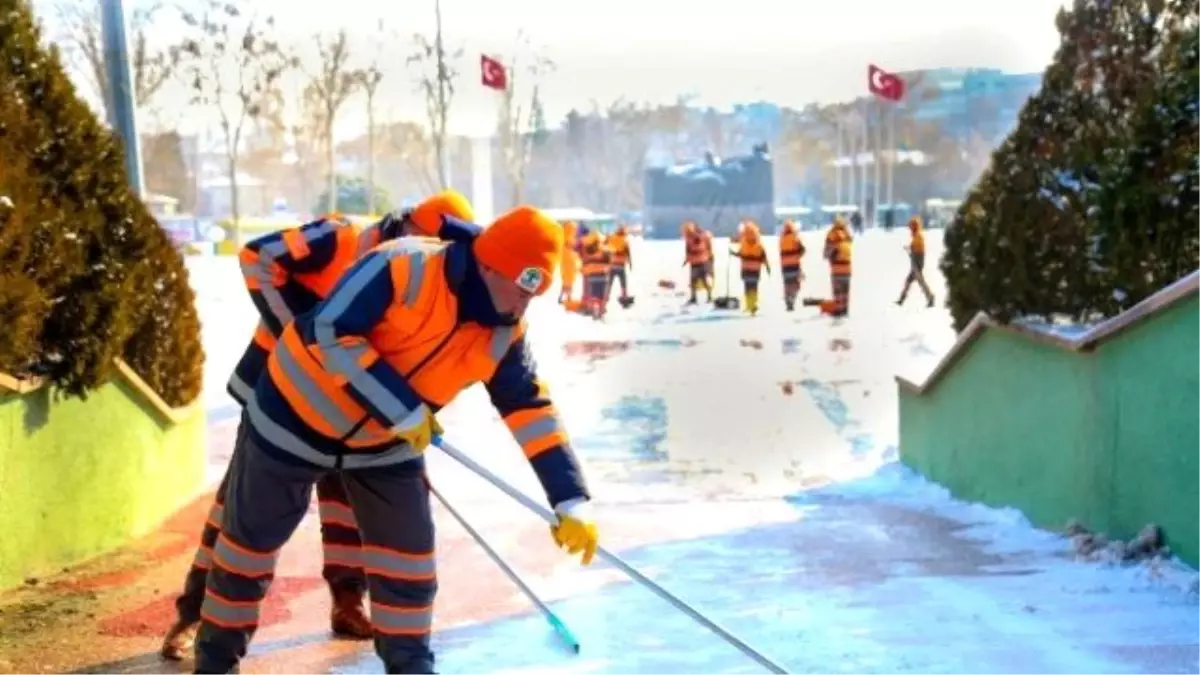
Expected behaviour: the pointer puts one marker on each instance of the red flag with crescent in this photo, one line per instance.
(492, 73)
(885, 85)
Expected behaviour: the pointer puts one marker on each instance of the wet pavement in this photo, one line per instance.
(870, 572)
(824, 576)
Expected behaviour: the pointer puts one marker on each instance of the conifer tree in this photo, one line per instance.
(90, 276)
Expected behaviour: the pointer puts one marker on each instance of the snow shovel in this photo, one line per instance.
(613, 559)
(727, 301)
(556, 623)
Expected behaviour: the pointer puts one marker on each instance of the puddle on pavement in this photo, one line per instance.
(593, 351)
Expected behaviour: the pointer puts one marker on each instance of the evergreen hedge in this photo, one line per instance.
(1090, 204)
(86, 273)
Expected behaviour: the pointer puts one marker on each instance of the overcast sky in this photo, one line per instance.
(792, 53)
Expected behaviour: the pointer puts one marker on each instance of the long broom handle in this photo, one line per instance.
(557, 624)
(613, 559)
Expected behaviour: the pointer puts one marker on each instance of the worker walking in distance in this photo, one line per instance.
(352, 387)
(287, 273)
(916, 260)
(621, 261)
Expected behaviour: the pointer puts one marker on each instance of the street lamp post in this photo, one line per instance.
(122, 106)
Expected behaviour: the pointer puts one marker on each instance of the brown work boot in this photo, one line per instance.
(347, 618)
(179, 640)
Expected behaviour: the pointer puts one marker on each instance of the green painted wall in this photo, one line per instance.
(1110, 437)
(80, 478)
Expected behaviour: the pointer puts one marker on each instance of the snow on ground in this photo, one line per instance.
(784, 516)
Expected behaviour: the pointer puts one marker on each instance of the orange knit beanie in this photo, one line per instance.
(427, 216)
(523, 245)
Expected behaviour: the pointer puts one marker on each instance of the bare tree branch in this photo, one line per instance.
(516, 129)
(332, 85)
(79, 34)
(436, 77)
(225, 45)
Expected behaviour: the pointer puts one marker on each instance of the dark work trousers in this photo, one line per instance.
(698, 274)
(618, 274)
(791, 283)
(916, 273)
(265, 500)
(750, 280)
(841, 293)
(595, 287)
(339, 540)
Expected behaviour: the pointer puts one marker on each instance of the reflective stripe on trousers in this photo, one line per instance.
(265, 502)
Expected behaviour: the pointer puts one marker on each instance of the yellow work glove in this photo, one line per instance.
(575, 530)
(418, 436)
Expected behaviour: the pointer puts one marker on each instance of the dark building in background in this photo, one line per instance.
(715, 193)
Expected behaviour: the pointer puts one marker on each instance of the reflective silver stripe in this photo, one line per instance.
(368, 239)
(239, 388)
(401, 620)
(416, 279)
(342, 555)
(340, 360)
(243, 563)
(266, 257)
(203, 558)
(215, 513)
(539, 428)
(502, 339)
(338, 514)
(229, 613)
(266, 287)
(791, 274)
(286, 441)
(398, 565)
(313, 395)
(279, 247)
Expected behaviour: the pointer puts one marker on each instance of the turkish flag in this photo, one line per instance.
(492, 73)
(883, 84)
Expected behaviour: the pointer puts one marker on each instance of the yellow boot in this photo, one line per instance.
(752, 302)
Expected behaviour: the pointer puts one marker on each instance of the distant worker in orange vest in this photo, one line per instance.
(791, 250)
(754, 259)
(352, 387)
(596, 270)
(916, 260)
(621, 261)
(839, 250)
(698, 259)
(570, 265)
(287, 274)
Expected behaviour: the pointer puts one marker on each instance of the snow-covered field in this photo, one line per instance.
(763, 450)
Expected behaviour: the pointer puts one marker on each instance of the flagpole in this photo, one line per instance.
(891, 174)
(444, 154)
(852, 158)
(837, 162)
(865, 144)
(877, 119)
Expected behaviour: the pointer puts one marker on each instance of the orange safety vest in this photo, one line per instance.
(421, 338)
(752, 254)
(838, 250)
(618, 247)
(839, 263)
(698, 248)
(352, 242)
(791, 249)
(569, 266)
(348, 250)
(917, 245)
(595, 260)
